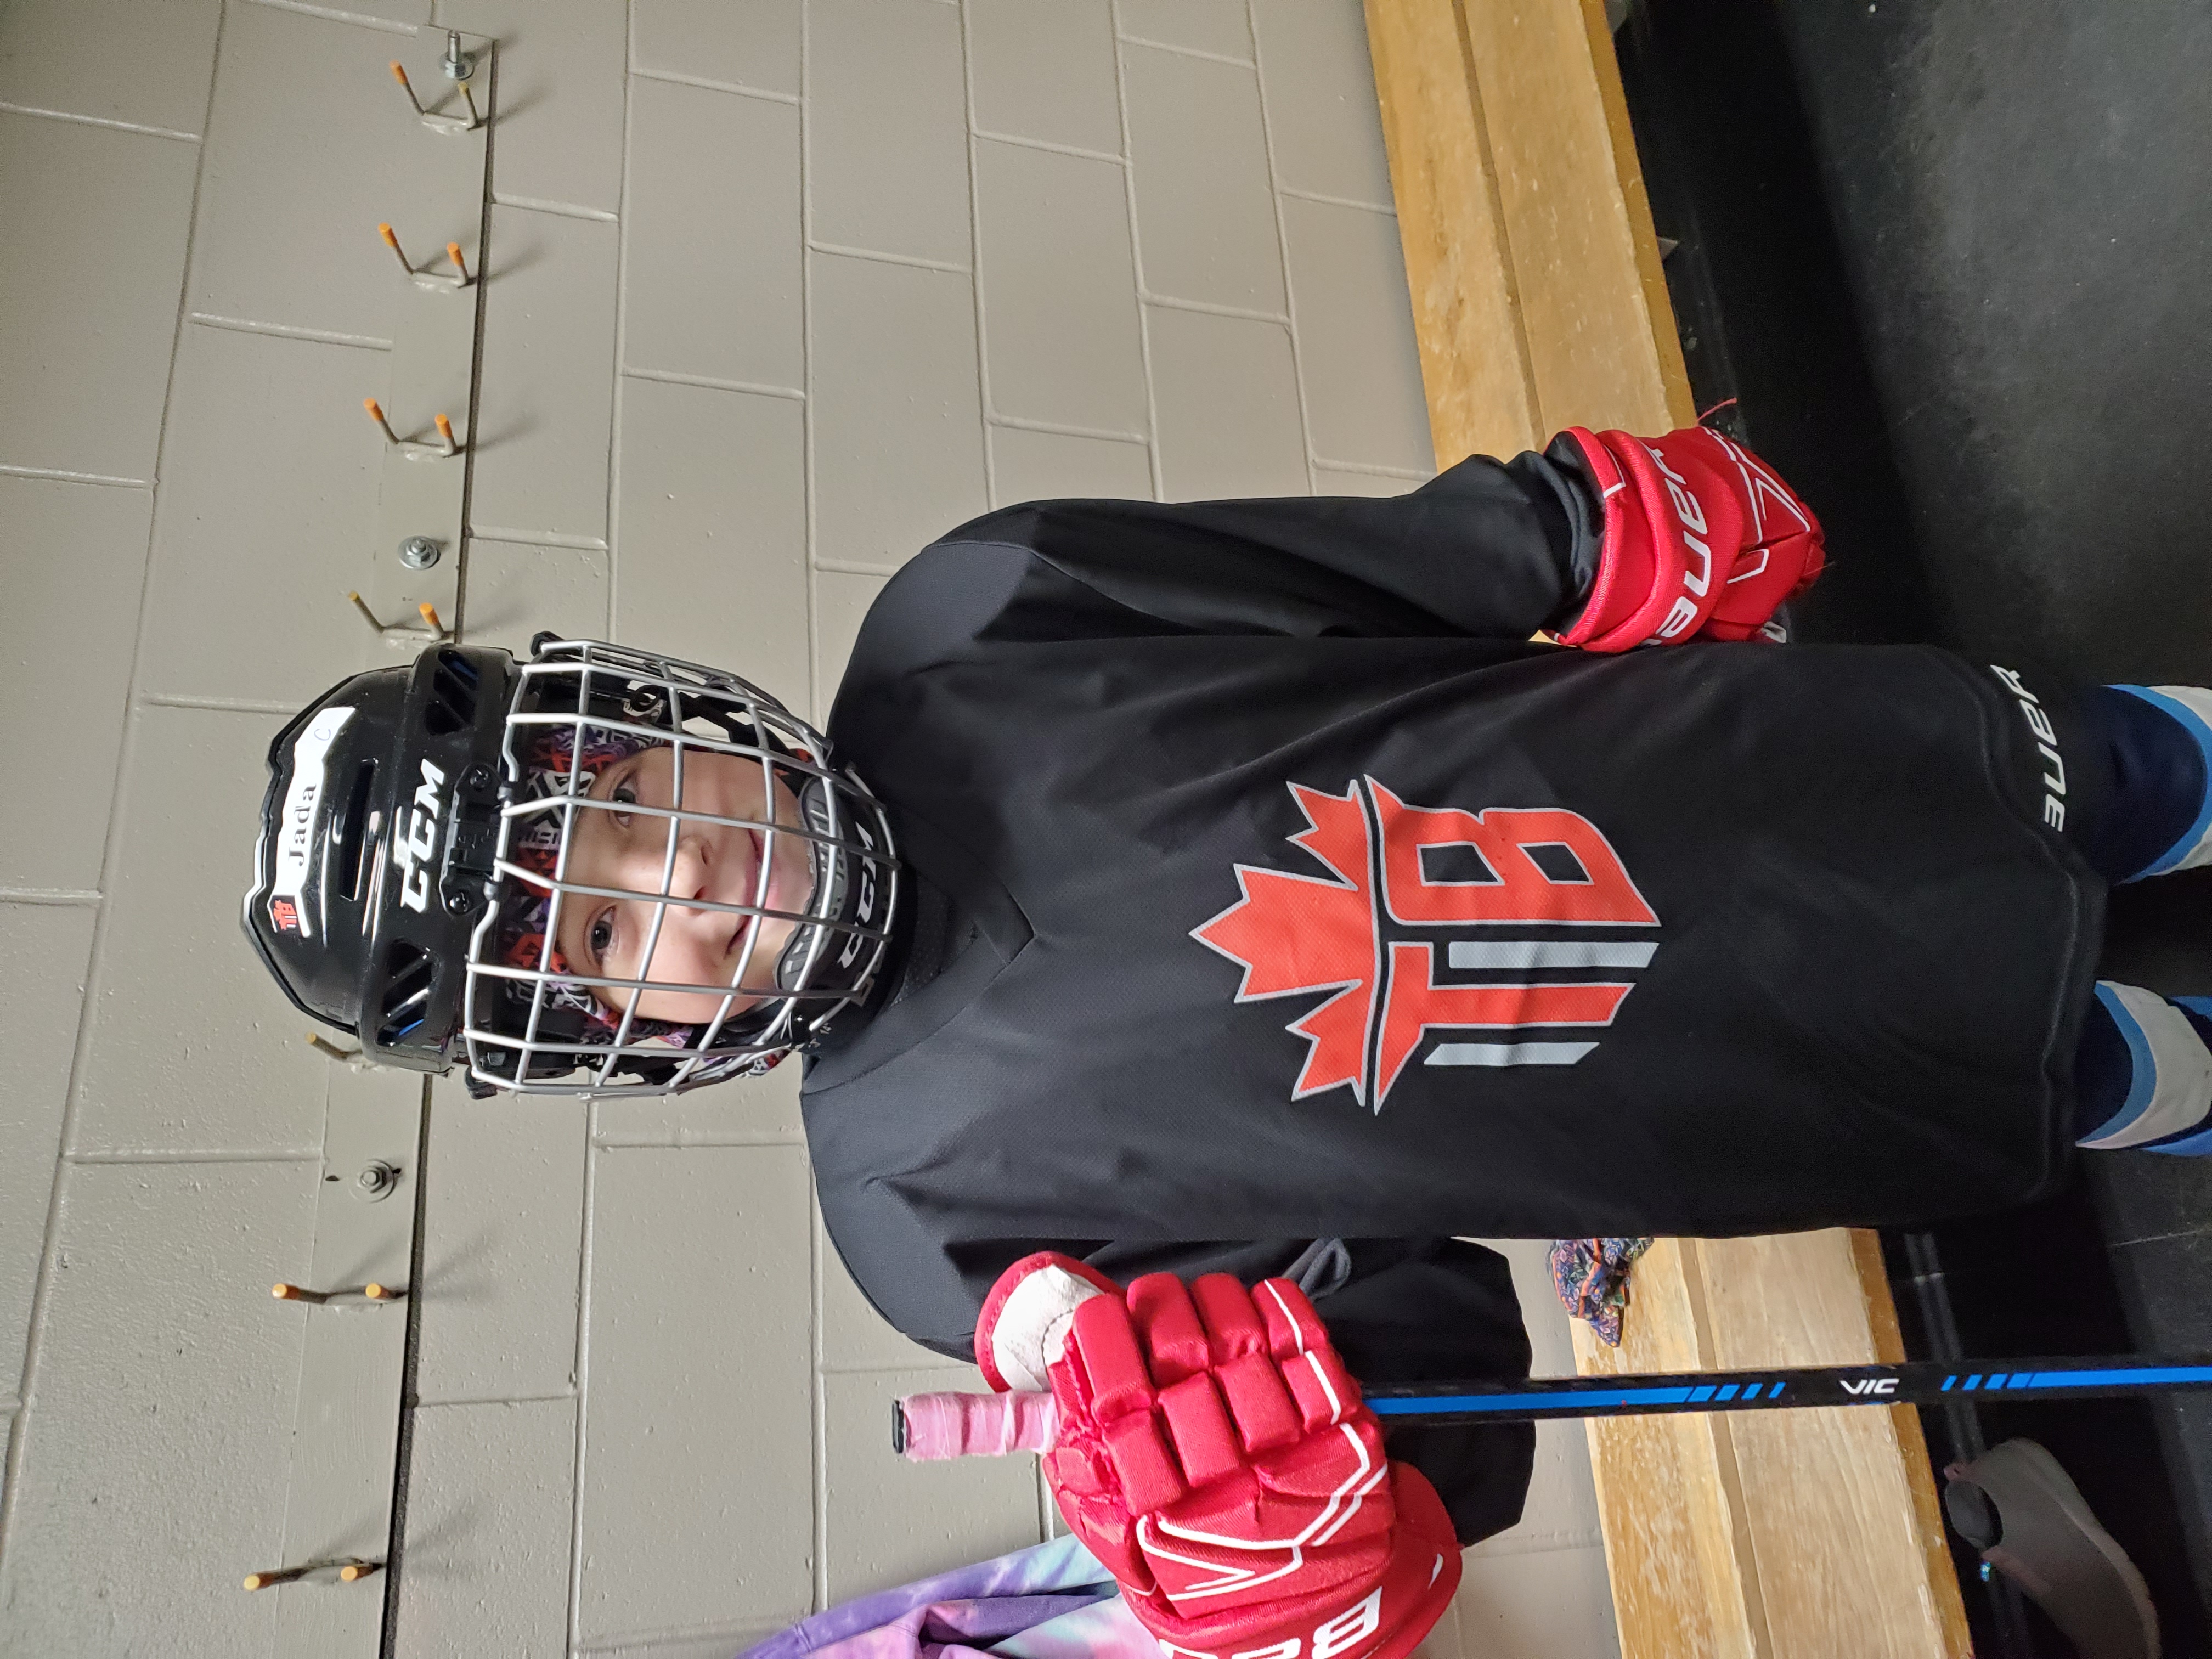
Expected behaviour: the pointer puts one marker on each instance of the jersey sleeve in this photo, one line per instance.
(1488, 550)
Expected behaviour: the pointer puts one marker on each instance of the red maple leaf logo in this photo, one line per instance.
(1365, 934)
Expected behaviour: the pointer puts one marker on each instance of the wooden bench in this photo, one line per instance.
(1539, 303)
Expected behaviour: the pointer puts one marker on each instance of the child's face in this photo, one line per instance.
(717, 862)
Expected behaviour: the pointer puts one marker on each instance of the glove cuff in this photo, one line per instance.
(1672, 524)
(1387, 1619)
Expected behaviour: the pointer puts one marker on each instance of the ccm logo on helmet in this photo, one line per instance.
(1692, 515)
(411, 851)
(865, 911)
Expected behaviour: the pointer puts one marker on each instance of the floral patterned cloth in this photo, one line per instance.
(1591, 1276)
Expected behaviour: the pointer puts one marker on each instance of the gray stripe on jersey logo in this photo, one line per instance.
(1407, 884)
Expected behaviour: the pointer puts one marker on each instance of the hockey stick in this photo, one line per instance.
(927, 1427)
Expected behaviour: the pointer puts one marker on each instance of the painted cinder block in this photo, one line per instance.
(514, 589)
(558, 73)
(1218, 26)
(309, 146)
(407, 14)
(193, 1049)
(891, 1521)
(1044, 467)
(720, 1645)
(1059, 286)
(1044, 69)
(886, 120)
(711, 262)
(1204, 233)
(157, 1437)
(1442, 1640)
(710, 549)
(545, 396)
(697, 1473)
(262, 524)
(752, 43)
(898, 413)
(1323, 125)
(746, 1111)
(1338, 481)
(111, 60)
(79, 551)
(490, 1515)
(841, 600)
(91, 305)
(854, 1337)
(1536, 1606)
(1355, 329)
(502, 1240)
(44, 949)
(1227, 399)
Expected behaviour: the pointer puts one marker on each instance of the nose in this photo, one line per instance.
(687, 874)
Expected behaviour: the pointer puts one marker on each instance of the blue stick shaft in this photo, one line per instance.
(1918, 1382)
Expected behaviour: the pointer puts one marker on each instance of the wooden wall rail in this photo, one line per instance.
(1539, 303)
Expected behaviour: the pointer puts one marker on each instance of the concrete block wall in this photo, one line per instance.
(779, 290)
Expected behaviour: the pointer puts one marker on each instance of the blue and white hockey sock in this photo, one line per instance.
(2143, 1078)
(2160, 738)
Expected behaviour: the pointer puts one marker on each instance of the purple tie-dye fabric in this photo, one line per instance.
(1053, 1601)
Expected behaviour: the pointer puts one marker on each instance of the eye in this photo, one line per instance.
(626, 792)
(601, 937)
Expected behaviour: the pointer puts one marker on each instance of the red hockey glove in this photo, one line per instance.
(1700, 537)
(1215, 1457)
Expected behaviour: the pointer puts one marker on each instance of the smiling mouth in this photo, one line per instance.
(753, 893)
(736, 944)
(752, 888)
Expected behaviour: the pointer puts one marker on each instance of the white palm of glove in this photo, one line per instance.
(1023, 1329)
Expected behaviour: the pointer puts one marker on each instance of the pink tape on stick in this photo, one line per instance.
(928, 1428)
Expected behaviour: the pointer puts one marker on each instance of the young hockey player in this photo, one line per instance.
(1237, 888)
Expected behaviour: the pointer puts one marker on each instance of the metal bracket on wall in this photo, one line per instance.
(345, 1435)
(428, 410)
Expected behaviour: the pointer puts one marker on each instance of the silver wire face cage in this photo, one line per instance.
(549, 1039)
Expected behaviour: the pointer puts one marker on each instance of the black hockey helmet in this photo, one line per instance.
(352, 907)
(413, 865)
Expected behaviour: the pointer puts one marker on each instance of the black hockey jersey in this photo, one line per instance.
(1280, 890)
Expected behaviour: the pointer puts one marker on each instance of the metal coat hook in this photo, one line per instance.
(424, 277)
(414, 448)
(346, 1570)
(431, 118)
(371, 1295)
(322, 1044)
(432, 631)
